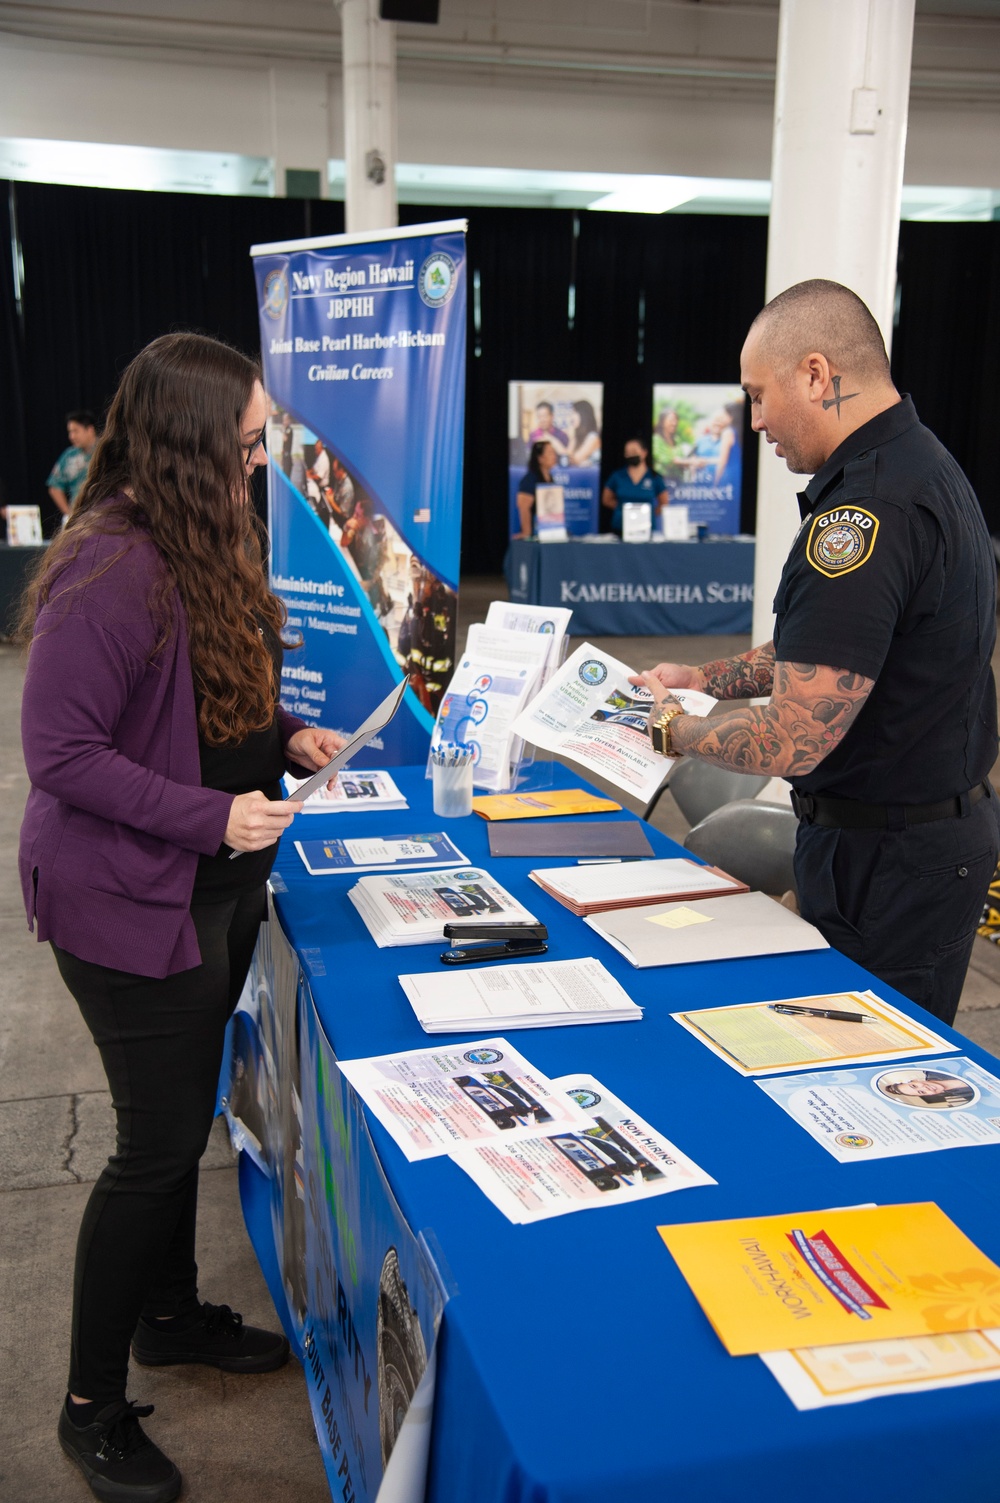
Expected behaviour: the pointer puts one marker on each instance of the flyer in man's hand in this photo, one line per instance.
(590, 713)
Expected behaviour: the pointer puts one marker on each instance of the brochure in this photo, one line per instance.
(613, 1159)
(550, 621)
(412, 909)
(351, 793)
(590, 713)
(596, 889)
(757, 1040)
(883, 1112)
(484, 698)
(431, 1100)
(542, 805)
(323, 858)
(815, 1377)
(727, 928)
(771, 1283)
(539, 994)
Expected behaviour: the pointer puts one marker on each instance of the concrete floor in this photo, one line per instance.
(56, 1129)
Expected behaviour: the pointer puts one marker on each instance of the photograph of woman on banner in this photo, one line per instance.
(583, 445)
(541, 462)
(635, 481)
(155, 746)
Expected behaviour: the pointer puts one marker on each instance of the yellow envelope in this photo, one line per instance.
(544, 804)
(815, 1278)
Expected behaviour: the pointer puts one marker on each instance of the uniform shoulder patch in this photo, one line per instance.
(841, 540)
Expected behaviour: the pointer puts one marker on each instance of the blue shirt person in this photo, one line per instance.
(67, 475)
(635, 481)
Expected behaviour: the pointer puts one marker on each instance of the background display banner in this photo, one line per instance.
(569, 414)
(698, 449)
(363, 345)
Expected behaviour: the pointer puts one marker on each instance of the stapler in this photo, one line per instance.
(494, 942)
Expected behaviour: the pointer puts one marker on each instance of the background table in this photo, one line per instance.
(637, 589)
(15, 564)
(574, 1364)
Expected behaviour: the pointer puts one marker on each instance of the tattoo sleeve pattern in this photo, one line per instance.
(811, 710)
(747, 677)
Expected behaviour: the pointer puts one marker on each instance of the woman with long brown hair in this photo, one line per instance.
(155, 745)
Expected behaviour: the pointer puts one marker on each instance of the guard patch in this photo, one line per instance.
(841, 540)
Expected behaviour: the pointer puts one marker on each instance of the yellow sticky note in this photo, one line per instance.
(678, 918)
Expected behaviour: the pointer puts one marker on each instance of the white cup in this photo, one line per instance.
(452, 790)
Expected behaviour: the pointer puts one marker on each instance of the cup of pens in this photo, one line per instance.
(451, 777)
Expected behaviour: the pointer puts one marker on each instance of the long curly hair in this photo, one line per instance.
(171, 455)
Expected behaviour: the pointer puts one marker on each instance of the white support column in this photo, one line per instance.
(840, 108)
(369, 116)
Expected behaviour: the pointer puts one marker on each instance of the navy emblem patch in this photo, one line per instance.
(841, 540)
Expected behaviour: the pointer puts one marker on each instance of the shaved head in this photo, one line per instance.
(823, 318)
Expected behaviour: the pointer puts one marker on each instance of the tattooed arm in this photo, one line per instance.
(811, 709)
(750, 676)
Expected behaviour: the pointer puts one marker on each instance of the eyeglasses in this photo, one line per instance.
(249, 450)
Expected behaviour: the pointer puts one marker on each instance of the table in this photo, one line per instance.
(574, 1364)
(14, 566)
(638, 589)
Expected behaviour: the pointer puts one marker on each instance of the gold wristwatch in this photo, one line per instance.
(660, 732)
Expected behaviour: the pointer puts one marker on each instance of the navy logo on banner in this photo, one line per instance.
(592, 673)
(276, 292)
(436, 281)
(841, 540)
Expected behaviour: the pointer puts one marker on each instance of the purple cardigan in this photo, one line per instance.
(116, 817)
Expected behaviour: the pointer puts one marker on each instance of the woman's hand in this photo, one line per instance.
(255, 821)
(312, 747)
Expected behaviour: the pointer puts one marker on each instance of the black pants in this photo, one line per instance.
(161, 1045)
(905, 904)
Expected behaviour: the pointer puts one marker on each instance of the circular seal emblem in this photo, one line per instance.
(839, 546)
(436, 282)
(592, 673)
(547, 629)
(841, 540)
(585, 1098)
(276, 292)
(853, 1140)
(483, 1056)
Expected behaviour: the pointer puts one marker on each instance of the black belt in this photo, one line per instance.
(849, 814)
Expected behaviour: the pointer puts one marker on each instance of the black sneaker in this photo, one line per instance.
(218, 1338)
(117, 1458)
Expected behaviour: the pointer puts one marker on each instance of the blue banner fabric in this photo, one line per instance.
(638, 589)
(363, 345)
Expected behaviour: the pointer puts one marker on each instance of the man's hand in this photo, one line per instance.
(313, 747)
(670, 676)
(256, 821)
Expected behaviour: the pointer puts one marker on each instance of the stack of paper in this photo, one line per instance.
(707, 929)
(324, 858)
(413, 909)
(548, 621)
(598, 889)
(542, 804)
(351, 792)
(495, 678)
(546, 994)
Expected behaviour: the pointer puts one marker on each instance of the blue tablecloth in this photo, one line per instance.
(637, 589)
(575, 1365)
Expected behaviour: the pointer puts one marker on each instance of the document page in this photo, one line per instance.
(590, 713)
(818, 1376)
(528, 995)
(430, 1100)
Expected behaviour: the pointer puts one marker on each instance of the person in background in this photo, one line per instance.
(342, 500)
(287, 444)
(155, 745)
(545, 428)
(541, 462)
(321, 465)
(70, 470)
(635, 481)
(584, 442)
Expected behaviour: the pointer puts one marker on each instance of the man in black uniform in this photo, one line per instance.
(882, 712)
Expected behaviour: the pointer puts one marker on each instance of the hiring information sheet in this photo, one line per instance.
(882, 1112)
(758, 1040)
(614, 1158)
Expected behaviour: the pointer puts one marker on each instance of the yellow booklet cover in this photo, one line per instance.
(814, 1278)
(546, 803)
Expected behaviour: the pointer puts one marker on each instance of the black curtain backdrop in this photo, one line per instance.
(626, 299)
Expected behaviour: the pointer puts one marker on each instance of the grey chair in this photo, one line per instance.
(751, 840)
(699, 788)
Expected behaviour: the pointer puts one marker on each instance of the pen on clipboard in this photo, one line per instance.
(822, 1012)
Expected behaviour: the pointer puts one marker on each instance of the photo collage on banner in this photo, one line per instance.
(363, 345)
(568, 415)
(698, 449)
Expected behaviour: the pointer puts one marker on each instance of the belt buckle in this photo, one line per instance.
(804, 805)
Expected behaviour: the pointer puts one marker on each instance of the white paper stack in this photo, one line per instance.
(351, 792)
(413, 908)
(543, 994)
(599, 888)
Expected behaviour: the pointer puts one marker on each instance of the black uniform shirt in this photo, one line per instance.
(892, 575)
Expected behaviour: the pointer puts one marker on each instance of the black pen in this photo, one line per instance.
(822, 1012)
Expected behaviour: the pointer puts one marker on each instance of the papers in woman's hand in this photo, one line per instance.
(546, 994)
(413, 909)
(596, 889)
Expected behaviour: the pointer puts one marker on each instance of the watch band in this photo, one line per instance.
(660, 733)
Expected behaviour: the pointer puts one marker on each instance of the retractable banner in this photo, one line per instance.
(363, 344)
(568, 416)
(698, 449)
